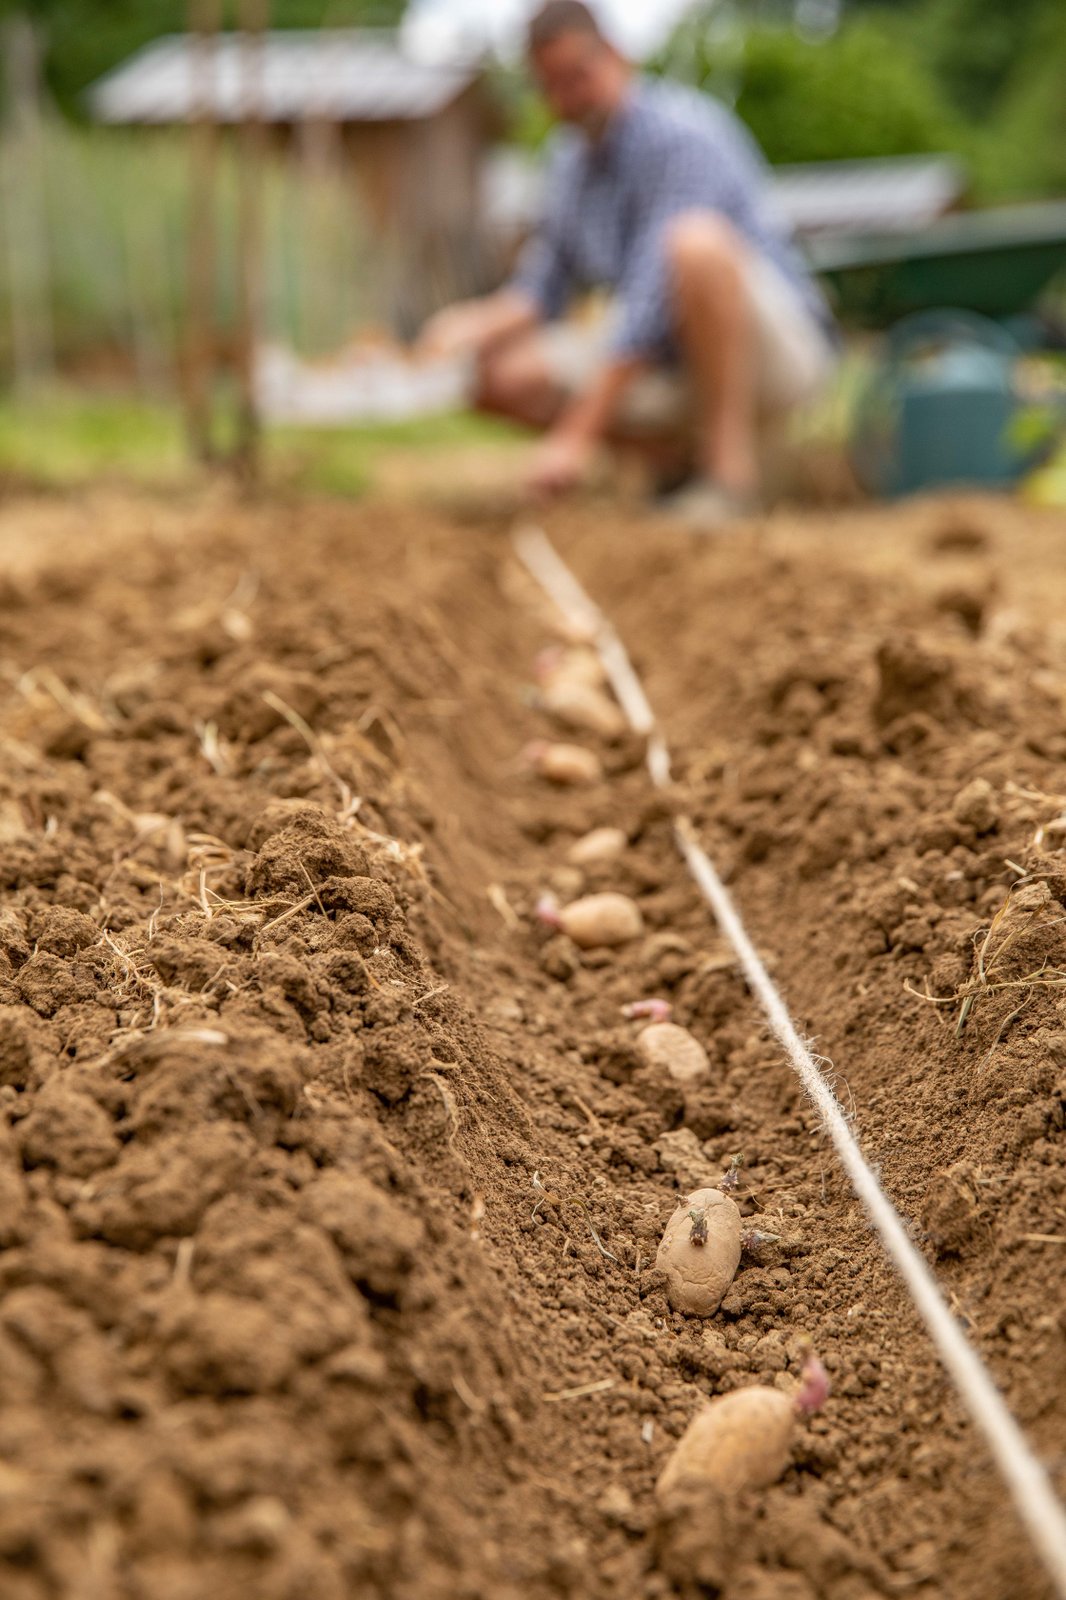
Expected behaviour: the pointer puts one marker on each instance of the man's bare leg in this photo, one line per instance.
(515, 381)
(714, 326)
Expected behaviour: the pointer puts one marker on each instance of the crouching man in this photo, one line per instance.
(657, 193)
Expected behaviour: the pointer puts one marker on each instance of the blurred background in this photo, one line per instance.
(221, 223)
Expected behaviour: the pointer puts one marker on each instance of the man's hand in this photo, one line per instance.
(456, 331)
(560, 463)
(566, 454)
(473, 327)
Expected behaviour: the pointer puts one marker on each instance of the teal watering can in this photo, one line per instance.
(942, 408)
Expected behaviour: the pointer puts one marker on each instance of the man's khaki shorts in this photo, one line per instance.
(795, 358)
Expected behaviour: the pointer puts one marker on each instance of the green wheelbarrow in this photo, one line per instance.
(946, 403)
(997, 262)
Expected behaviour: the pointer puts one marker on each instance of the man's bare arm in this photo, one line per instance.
(475, 327)
(589, 416)
(564, 456)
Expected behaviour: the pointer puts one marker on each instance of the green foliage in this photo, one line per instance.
(1022, 153)
(81, 39)
(530, 123)
(975, 46)
(863, 92)
(525, 115)
(983, 79)
(1003, 68)
(85, 38)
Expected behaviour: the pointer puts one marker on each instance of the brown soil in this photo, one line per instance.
(330, 1184)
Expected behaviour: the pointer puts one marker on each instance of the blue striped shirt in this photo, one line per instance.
(667, 151)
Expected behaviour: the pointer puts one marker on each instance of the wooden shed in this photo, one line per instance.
(416, 134)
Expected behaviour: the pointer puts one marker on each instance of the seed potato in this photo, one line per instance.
(601, 845)
(579, 705)
(578, 663)
(700, 1252)
(738, 1442)
(672, 1048)
(569, 765)
(602, 919)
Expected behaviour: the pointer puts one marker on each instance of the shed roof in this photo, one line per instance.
(332, 75)
(897, 192)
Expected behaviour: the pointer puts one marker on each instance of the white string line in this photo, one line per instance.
(1034, 1497)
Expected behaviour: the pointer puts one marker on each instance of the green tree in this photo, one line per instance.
(975, 46)
(1022, 153)
(983, 79)
(862, 92)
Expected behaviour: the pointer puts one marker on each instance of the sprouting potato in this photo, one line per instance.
(577, 664)
(578, 705)
(572, 690)
(700, 1252)
(596, 920)
(601, 845)
(602, 919)
(743, 1440)
(567, 883)
(740, 1441)
(668, 1046)
(653, 1010)
(565, 764)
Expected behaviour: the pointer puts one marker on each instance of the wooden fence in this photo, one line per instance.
(94, 242)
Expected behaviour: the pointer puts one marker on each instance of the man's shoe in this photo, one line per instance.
(669, 480)
(703, 506)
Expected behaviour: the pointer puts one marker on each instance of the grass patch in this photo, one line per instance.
(65, 438)
(342, 461)
(60, 438)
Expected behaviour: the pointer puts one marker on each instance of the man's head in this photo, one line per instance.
(580, 73)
